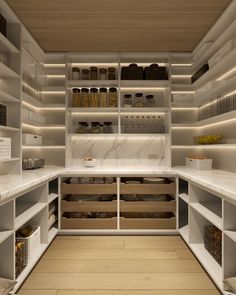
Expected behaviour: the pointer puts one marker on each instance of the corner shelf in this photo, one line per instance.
(184, 197)
(5, 97)
(7, 128)
(8, 44)
(6, 72)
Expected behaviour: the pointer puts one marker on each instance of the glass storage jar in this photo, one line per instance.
(111, 73)
(75, 73)
(103, 97)
(128, 101)
(85, 74)
(113, 97)
(93, 73)
(95, 127)
(94, 98)
(83, 128)
(76, 98)
(84, 98)
(102, 74)
(139, 100)
(149, 101)
(107, 127)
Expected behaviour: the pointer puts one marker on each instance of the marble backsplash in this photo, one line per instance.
(112, 150)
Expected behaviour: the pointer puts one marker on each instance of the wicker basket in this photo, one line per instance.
(213, 242)
(31, 243)
(21, 259)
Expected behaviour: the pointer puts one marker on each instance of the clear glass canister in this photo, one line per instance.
(95, 127)
(103, 97)
(139, 100)
(102, 74)
(75, 73)
(94, 98)
(84, 98)
(83, 127)
(149, 101)
(107, 127)
(93, 73)
(85, 74)
(111, 73)
(76, 98)
(128, 101)
(113, 97)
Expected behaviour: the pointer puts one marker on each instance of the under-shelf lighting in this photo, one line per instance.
(181, 76)
(144, 64)
(55, 65)
(56, 76)
(184, 108)
(24, 103)
(182, 65)
(92, 113)
(117, 136)
(95, 64)
(53, 92)
(227, 74)
(28, 105)
(43, 127)
(206, 125)
(207, 146)
(43, 147)
(142, 88)
(183, 92)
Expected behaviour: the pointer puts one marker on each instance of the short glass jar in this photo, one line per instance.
(107, 127)
(139, 100)
(149, 101)
(75, 73)
(93, 73)
(85, 74)
(111, 73)
(128, 101)
(102, 74)
(83, 128)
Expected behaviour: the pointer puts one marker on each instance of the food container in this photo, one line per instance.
(111, 73)
(113, 98)
(75, 73)
(85, 74)
(5, 148)
(32, 139)
(3, 115)
(94, 98)
(102, 74)
(149, 101)
(139, 100)
(103, 97)
(128, 101)
(199, 164)
(154, 180)
(213, 242)
(90, 163)
(76, 98)
(93, 73)
(29, 164)
(85, 98)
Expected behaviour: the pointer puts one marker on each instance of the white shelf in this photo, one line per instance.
(52, 197)
(209, 263)
(93, 83)
(43, 147)
(52, 234)
(34, 103)
(120, 135)
(8, 43)
(138, 84)
(7, 128)
(184, 197)
(208, 214)
(93, 110)
(184, 232)
(38, 125)
(9, 160)
(204, 146)
(231, 234)
(28, 213)
(183, 125)
(5, 97)
(4, 234)
(6, 72)
(144, 110)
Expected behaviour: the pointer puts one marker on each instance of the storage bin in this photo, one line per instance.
(132, 72)
(32, 139)
(21, 258)
(213, 242)
(5, 148)
(148, 206)
(31, 243)
(200, 164)
(220, 54)
(3, 115)
(88, 223)
(169, 188)
(88, 189)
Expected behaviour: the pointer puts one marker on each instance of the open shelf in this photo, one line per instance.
(144, 84)
(5, 97)
(92, 83)
(93, 110)
(144, 110)
(6, 72)
(4, 234)
(9, 160)
(8, 44)
(7, 128)
(52, 197)
(184, 197)
(184, 232)
(231, 234)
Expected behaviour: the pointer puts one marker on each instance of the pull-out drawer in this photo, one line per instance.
(87, 223)
(148, 223)
(89, 189)
(169, 206)
(141, 188)
(99, 206)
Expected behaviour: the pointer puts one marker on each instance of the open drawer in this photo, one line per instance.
(168, 206)
(165, 188)
(87, 223)
(68, 206)
(148, 223)
(89, 189)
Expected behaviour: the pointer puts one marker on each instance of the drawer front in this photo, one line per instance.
(148, 223)
(148, 206)
(88, 206)
(148, 188)
(83, 223)
(89, 189)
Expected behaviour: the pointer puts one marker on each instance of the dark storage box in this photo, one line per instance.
(3, 115)
(213, 242)
(199, 73)
(3, 25)
(154, 72)
(132, 72)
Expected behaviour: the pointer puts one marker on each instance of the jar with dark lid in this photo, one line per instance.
(111, 73)
(83, 127)
(103, 97)
(128, 101)
(76, 98)
(149, 101)
(107, 127)
(94, 98)
(113, 97)
(95, 127)
(139, 100)
(75, 73)
(93, 73)
(102, 74)
(84, 98)
(85, 74)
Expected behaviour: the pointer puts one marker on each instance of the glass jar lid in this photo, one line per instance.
(85, 90)
(93, 90)
(103, 90)
(112, 89)
(138, 94)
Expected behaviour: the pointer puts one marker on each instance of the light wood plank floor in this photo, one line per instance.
(129, 265)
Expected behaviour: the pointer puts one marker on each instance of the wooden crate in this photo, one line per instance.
(89, 189)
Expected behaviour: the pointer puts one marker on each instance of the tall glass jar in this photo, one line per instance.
(103, 97)
(76, 98)
(84, 98)
(94, 98)
(75, 73)
(93, 73)
(128, 101)
(85, 74)
(149, 101)
(139, 100)
(111, 73)
(102, 74)
(113, 97)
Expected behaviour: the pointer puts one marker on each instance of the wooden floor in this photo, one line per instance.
(118, 266)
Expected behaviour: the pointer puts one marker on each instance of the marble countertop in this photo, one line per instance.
(222, 182)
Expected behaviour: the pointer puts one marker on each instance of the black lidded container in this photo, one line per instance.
(200, 72)
(132, 72)
(3, 115)
(154, 72)
(3, 25)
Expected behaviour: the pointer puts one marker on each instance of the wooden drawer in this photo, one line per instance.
(89, 189)
(148, 206)
(84, 223)
(148, 223)
(88, 206)
(169, 188)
